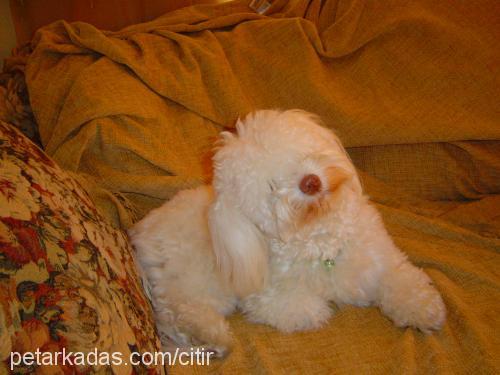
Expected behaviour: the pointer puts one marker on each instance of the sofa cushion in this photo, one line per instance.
(68, 279)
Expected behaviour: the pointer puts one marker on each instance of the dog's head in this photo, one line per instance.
(277, 177)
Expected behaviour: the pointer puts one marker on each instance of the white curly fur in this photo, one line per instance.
(255, 241)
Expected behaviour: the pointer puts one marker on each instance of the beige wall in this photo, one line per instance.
(7, 33)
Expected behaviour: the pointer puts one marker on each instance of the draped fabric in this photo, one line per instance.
(412, 90)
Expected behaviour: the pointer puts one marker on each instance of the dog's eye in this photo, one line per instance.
(272, 185)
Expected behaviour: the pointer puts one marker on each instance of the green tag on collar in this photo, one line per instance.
(329, 263)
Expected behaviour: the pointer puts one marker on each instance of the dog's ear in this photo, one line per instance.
(239, 247)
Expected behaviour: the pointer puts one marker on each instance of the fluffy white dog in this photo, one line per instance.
(284, 230)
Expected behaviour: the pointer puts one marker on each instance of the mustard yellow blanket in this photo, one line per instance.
(411, 87)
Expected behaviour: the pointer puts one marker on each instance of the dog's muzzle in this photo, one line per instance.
(310, 184)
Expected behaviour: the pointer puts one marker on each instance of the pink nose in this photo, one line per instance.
(310, 184)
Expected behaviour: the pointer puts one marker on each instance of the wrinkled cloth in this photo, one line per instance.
(377, 73)
(403, 84)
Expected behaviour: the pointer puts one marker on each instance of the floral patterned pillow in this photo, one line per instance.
(68, 281)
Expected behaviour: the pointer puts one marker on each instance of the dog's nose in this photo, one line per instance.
(310, 184)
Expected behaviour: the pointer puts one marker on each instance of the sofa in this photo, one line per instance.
(99, 127)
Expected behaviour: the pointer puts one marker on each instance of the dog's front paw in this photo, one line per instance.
(288, 313)
(194, 326)
(410, 300)
(216, 345)
(427, 312)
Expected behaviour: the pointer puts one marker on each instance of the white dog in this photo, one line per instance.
(284, 230)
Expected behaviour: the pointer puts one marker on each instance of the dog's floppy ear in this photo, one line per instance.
(239, 247)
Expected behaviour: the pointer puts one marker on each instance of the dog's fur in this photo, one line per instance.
(255, 241)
